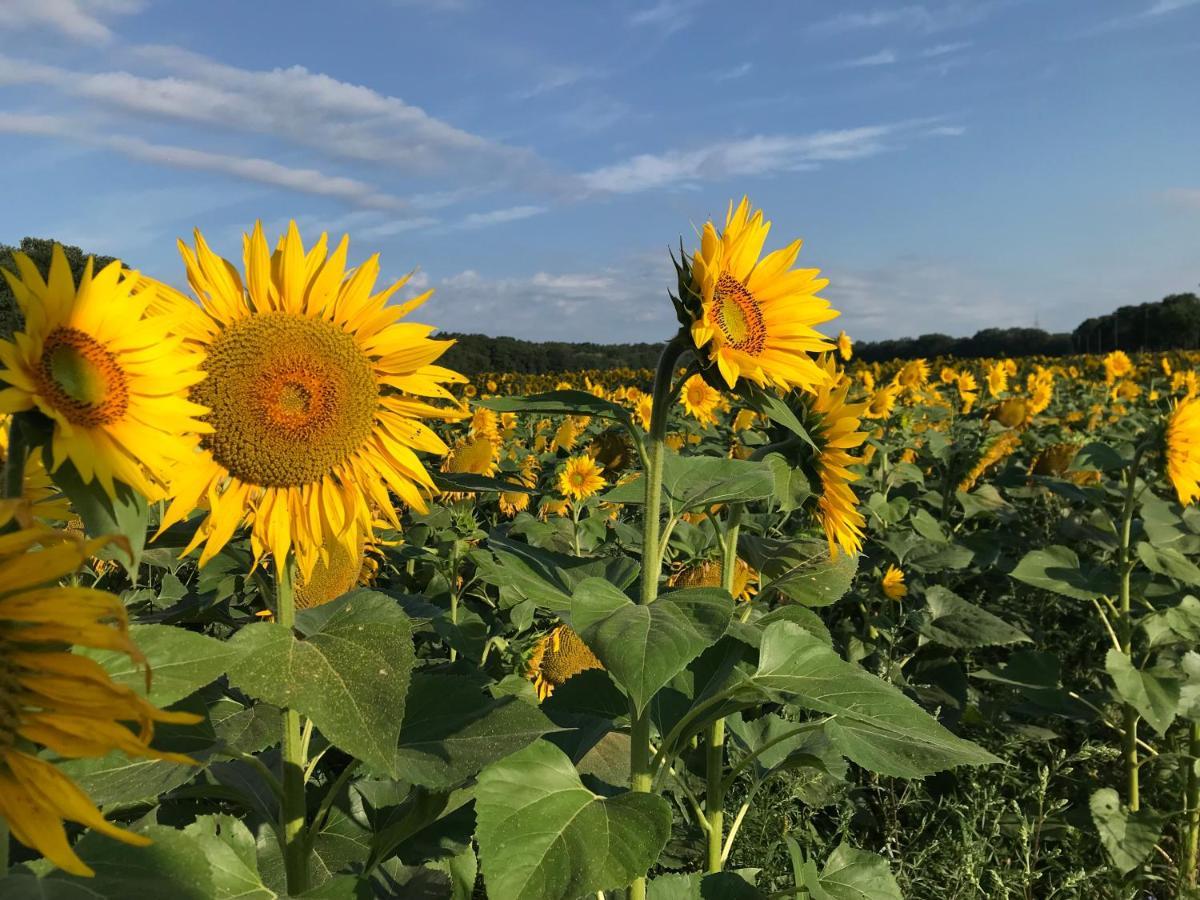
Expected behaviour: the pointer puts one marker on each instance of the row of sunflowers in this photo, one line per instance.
(287, 608)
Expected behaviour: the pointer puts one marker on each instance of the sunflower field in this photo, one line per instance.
(288, 609)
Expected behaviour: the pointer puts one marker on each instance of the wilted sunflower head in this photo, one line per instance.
(556, 658)
(755, 318)
(612, 451)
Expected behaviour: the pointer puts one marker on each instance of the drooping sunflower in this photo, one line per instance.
(1183, 449)
(580, 478)
(710, 573)
(757, 317)
(836, 433)
(53, 698)
(317, 392)
(700, 400)
(105, 368)
(557, 657)
(337, 573)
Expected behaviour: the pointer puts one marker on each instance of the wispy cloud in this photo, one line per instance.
(79, 20)
(946, 49)
(259, 171)
(758, 155)
(922, 18)
(555, 79)
(882, 58)
(500, 216)
(667, 15)
(1148, 15)
(1188, 198)
(734, 73)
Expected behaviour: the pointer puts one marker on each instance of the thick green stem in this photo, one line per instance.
(1191, 855)
(1129, 752)
(714, 760)
(640, 775)
(292, 808)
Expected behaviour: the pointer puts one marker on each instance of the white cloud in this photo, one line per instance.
(1188, 198)
(500, 216)
(79, 20)
(668, 15)
(260, 171)
(882, 58)
(556, 78)
(734, 73)
(946, 49)
(921, 18)
(1148, 15)
(758, 155)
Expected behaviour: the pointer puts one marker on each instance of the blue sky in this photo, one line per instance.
(949, 165)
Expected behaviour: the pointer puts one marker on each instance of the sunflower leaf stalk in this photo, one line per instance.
(292, 807)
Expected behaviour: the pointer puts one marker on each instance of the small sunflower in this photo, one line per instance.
(882, 402)
(836, 432)
(755, 316)
(65, 702)
(893, 584)
(557, 657)
(1116, 365)
(700, 400)
(316, 392)
(105, 369)
(580, 478)
(472, 455)
(997, 379)
(968, 390)
(845, 346)
(1183, 449)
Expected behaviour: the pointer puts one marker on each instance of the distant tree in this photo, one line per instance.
(39, 250)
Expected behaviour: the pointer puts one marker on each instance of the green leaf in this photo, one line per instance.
(1170, 562)
(1177, 624)
(173, 866)
(542, 834)
(644, 647)
(30, 887)
(1097, 455)
(851, 874)
(118, 780)
(560, 403)
(230, 849)
(954, 622)
(735, 885)
(802, 571)
(693, 481)
(181, 662)
(985, 500)
(452, 730)
(774, 408)
(349, 673)
(1128, 837)
(468, 483)
(1058, 569)
(125, 515)
(1155, 698)
(874, 724)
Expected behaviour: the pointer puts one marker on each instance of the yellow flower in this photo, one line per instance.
(484, 422)
(710, 573)
(674, 441)
(1040, 397)
(566, 436)
(40, 499)
(580, 478)
(868, 380)
(968, 390)
(1116, 365)
(314, 387)
(1011, 413)
(557, 657)
(948, 375)
(757, 316)
(552, 506)
(845, 346)
(1000, 448)
(997, 379)
(744, 420)
(893, 584)
(882, 402)
(59, 700)
(645, 408)
(105, 369)
(336, 575)
(700, 400)
(914, 375)
(1166, 366)
(835, 434)
(1183, 449)
(473, 455)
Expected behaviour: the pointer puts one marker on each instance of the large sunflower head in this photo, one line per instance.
(54, 699)
(1183, 449)
(103, 366)
(836, 432)
(316, 389)
(755, 317)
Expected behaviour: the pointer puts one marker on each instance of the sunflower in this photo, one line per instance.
(914, 375)
(999, 449)
(40, 499)
(1183, 449)
(845, 346)
(757, 316)
(105, 369)
(997, 379)
(968, 390)
(835, 433)
(1011, 413)
(893, 584)
(558, 656)
(700, 400)
(1116, 365)
(337, 573)
(473, 455)
(644, 410)
(64, 702)
(882, 402)
(314, 388)
(710, 573)
(580, 478)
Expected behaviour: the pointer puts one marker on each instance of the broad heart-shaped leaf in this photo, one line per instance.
(180, 662)
(851, 874)
(1058, 569)
(542, 834)
(801, 570)
(736, 885)
(1176, 624)
(874, 724)
(554, 403)
(1170, 562)
(452, 729)
(953, 622)
(1128, 837)
(125, 515)
(644, 647)
(119, 780)
(349, 673)
(1155, 698)
(694, 481)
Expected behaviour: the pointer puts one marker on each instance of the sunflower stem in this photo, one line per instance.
(292, 808)
(1126, 564)
(640, 775)
(714, 760)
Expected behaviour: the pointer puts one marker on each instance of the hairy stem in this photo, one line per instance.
(292, 807)
(1191, 848)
